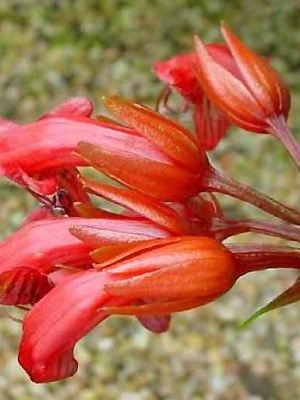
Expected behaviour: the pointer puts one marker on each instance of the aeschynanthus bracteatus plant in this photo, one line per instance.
(73, 263)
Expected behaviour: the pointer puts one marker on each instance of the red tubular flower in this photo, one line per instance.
(53, 141)
(61, 188)
(43, 244)
(182, 169)
(176, 274)
(171, 171)
(39, 247)
(256, 100)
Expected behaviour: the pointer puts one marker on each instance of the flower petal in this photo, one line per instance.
(55, 324)
(159, 308)
(162, 181)
(23, 285)
(211, 125)
(188, 267)
(106, 256)
(155, 323)
(178, 72)
(53, 140)
(43, 187)
(6, 124)
(261, 79)
(169, 136)
(227, 92)
(139, 203)
(79, 106)
(117, 230)
(45, 243)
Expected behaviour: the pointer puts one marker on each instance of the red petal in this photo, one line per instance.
(261, 79)
(178, 72)
(227, 92)
(79, 106)
(159, 308)
(211, 125)
(43, 244)
(170, 137)
(155, 323)
(6, 124)
(23, 285)
(46, 186)
(54, 325)
(118, 230)
(188, 267)
(47, 145)
(109, 255)
(221, 54)
(37, 214)
(86, 210)
(139, 203)
(160, 180)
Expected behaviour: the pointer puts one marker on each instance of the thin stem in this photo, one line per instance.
(216, 181)
(282, 132)
(225, 227)
(256, 257)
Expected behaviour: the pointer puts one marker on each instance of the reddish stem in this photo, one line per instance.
(256, 257)
(282, 132)
(216, 181)
(225, 227)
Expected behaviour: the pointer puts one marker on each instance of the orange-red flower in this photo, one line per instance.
(59, 189)
(170, 171)
(170, 275)
(257, 99)
(249, 100)
(42, 246)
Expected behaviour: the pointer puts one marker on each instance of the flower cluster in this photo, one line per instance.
(72, 263)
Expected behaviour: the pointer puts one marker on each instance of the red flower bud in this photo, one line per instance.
(256, 99)
(250, 99)
(176, 273)
(170, 172)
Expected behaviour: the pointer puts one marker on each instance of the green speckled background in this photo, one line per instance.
(51, 50)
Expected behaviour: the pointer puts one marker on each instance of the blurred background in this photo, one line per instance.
(51, 50)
